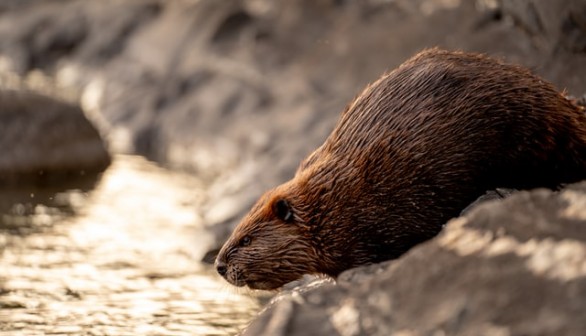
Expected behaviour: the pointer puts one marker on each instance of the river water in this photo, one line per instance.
(116, 258)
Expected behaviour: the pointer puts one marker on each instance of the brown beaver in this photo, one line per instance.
(409, 153)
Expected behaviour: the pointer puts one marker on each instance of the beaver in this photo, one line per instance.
(408, 154)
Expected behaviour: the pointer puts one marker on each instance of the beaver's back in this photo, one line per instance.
(456, 111)
(428, 138)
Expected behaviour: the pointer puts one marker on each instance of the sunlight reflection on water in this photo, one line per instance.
(120, 259)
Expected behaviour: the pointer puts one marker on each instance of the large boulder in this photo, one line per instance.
(512, 267)
(44, 140)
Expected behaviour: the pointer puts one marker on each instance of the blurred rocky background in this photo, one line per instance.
(239, 91)
(233, 92)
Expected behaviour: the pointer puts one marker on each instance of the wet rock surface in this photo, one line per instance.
(511, 267)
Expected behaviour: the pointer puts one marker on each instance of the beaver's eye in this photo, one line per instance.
(245, 241)
(282, 210)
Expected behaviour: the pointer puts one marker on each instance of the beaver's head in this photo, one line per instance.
(273, 244)
(319, 222)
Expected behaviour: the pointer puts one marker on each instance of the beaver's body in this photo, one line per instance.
(407, 155)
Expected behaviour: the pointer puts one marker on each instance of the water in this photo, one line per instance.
(117, 258)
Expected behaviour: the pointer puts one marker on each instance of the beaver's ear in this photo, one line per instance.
(282, 210)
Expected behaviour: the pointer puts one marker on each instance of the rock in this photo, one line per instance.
(559, 39)
(566, 30)
(49, 34)
(511, 267)
(45, 140)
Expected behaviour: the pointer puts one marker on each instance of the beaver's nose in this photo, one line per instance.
(221, 267)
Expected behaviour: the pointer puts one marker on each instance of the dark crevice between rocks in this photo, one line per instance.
(573, 30)
(147, 142)
(176, 89)
(108, 49)
(48, 42)
(230, 104)
(487, 18)
(231, 27)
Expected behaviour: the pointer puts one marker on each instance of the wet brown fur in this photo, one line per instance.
(409, 153)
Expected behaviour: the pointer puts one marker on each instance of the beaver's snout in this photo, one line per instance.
(229, 271)
(221, 267)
